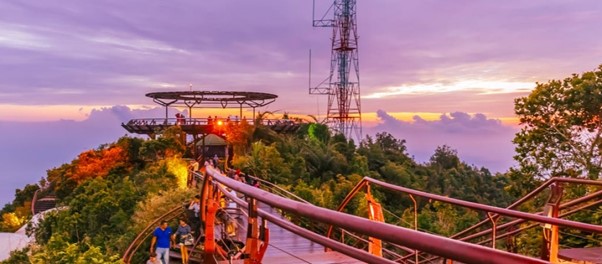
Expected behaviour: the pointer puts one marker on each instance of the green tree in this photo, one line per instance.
(445, 158)
(382, 149)
(264, 162)
(60, 251)
(562, 136)
(169, 144)
(562, 132)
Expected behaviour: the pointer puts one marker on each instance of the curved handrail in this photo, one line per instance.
(279, 188)
(361, 239)
(517, 222)
(272, 185)
(529, 196)
(33, 202)
(144, 234)
(458, 250)
(295, 197)
(521, 201)
(348, 250)
(520, 221)
(367, 180)
(565, 214)
(487, 208)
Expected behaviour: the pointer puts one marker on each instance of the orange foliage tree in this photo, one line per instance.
(98, 163)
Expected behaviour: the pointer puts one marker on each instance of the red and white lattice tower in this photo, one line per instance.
(344, 113)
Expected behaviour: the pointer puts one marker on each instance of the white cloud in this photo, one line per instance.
(19, 37)
(482, 86)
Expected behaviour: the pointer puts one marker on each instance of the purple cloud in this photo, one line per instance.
(108, 53)
(479, 140)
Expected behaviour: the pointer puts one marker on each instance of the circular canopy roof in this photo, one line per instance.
(212, 140)
(225, 99)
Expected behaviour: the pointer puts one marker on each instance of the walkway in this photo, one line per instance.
(287, 247)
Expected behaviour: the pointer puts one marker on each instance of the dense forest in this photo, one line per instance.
(111, 193)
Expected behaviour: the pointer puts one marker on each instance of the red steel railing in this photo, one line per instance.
(436, 245)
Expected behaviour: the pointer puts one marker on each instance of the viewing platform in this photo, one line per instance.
(197, 126)
(213, 124)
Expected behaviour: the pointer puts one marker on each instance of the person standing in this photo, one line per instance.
(162, 240)
(177, 119)
(182, 119)
(183, 236)
(193, 167)
(215, 161)
(195, 207)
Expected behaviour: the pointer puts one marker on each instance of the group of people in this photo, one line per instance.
(180, 119)
(241, 177)
(163, 236)
(164, 239)
(213, 162)
(210, 120)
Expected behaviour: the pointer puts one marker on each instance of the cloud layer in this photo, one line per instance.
(479, 140)
(112, 52)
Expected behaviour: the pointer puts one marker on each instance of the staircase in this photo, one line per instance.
(42, 204)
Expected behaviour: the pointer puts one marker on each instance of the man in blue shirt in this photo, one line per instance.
(162, 239)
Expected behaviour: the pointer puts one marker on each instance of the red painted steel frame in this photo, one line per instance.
(491, 209)
(441, 246)
(340, 247)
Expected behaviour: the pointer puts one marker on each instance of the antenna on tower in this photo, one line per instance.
(342, 86)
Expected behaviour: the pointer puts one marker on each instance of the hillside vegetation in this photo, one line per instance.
(111, 193)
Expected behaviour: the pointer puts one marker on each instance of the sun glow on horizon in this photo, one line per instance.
(44, 113)
(48, 113)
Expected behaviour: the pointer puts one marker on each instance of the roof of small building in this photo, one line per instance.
(212, 140)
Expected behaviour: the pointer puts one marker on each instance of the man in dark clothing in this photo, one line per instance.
(162, 239)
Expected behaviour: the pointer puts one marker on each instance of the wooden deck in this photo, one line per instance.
(314, 258)
(287, 247)
(284, 246)
(582, 255)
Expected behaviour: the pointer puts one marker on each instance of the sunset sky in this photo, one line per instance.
(433, 72)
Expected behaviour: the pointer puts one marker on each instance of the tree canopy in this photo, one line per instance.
(562, 132)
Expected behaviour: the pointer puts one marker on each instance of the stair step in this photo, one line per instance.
(44, 204)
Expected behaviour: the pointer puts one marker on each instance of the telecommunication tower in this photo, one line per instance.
(342, 86)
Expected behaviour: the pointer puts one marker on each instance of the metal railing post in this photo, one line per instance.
(493, 218)
(415, 225)
(252, 245)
